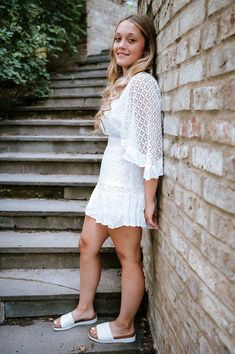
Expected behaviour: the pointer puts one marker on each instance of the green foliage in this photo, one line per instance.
(31, 33)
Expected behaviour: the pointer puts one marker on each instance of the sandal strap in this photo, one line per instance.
(104, 331)
(66, 320)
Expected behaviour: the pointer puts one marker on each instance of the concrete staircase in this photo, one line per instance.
(49, 165)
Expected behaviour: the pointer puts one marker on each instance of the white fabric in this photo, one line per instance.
(133, 154)
(66, 320)
(104, 332)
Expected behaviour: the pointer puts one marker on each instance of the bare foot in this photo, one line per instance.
(77, 316)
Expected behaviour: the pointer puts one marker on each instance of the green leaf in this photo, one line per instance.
(29, 25)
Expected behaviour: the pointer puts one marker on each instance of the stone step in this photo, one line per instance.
(96, 58)
(61, 127)
(91, 74)
(92, 66)
(47, 186)
(53, 144)
(48, 163)
(40, 179)
(81, 82)
(47, 249)
(43, 292)
(82, 100)
(41, 214)
(56, 112)
(36, 336)
(77, 90)
(87, 66)
(42, 113)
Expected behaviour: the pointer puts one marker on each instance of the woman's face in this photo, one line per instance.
(128, 44)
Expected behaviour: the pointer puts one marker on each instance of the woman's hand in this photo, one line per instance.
(150, 214)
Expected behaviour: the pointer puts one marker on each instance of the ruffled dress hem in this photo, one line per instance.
(116, 210)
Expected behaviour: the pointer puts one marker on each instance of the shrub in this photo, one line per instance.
(33, 32)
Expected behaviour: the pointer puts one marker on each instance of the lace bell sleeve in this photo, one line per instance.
(142, 130)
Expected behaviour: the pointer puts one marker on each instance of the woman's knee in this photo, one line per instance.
(87, 246)
(84, 244)
(127, 258)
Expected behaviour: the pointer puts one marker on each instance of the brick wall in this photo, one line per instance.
(102, 19)
(189, 263)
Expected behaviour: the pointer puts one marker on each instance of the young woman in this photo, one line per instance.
(123, 201)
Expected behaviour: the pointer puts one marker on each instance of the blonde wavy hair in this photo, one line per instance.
(116, 81)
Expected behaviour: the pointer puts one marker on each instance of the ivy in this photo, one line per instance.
(32, 32)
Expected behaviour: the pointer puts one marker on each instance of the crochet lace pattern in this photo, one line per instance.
(133, 154)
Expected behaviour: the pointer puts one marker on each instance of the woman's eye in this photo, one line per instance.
(117, 39)
(131, 40)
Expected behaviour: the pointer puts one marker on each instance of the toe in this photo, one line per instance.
(57, 323)
(93, 332)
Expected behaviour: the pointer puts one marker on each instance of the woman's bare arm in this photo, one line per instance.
(150, 211)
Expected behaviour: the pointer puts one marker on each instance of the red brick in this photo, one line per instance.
(168, 35)
(192, 72)
(170, 80)
(179, 151)
(209, 35)
(229, 95)
(177, 5)
(222, 315)
(165, 13)
(208, 98)
(181, 100)
(195, 43)
(222, 226)
(192, 127)
(170, 168)
(227, 23)
(185, 200)
(221, 59)
(219, 194)
(179, 243)
(171, 125)
(211, 160)
(182, 50)
(215, 5)
(204, 347)
(192, 16)
(166, 102)
(167, 59)
(218, 253)
(189, 177)
(202, 213)
(222, 131)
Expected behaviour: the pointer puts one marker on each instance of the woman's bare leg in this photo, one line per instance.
(127, 243)
(92, 238)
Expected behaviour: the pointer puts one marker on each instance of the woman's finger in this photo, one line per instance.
(150, 220)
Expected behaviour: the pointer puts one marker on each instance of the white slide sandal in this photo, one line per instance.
(67, 322)
(104, 335)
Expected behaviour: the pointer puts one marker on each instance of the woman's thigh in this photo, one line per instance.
(93, 234)
(127, 241)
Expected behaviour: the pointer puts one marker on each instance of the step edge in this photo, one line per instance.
(53, 109)
(44, 122)
(53, 138)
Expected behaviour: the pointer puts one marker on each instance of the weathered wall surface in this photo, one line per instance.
(189, 263)
(102, 19)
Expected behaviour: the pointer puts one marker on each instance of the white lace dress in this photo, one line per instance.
(133, 153)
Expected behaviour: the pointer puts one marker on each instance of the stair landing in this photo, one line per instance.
(37, 336)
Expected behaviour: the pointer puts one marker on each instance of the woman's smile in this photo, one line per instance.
(122, 54)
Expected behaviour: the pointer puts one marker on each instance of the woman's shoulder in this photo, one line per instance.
(144, 81)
